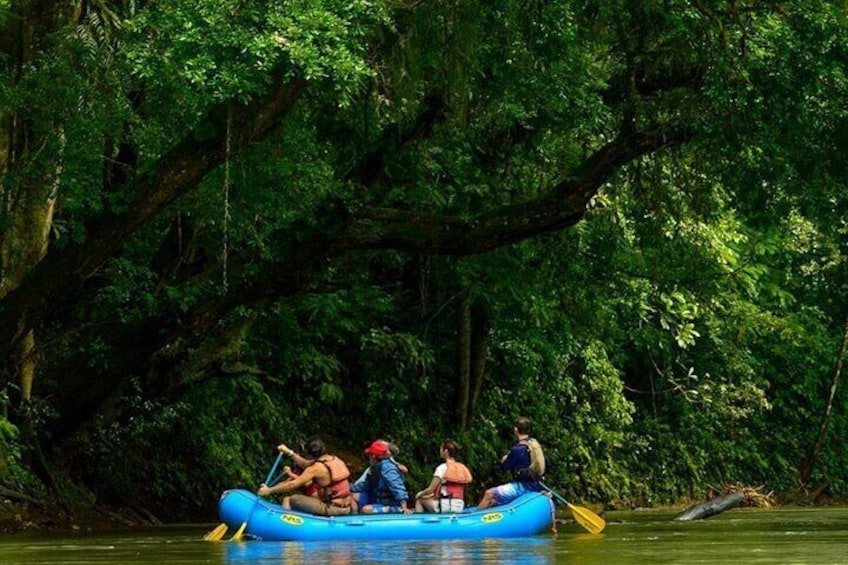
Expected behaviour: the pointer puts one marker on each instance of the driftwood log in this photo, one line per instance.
(733, 495)
(712, 507)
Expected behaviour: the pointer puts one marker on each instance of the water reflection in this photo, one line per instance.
(774, 537)
(586, 538)
(530, 551)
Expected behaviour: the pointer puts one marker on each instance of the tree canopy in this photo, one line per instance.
(230, 223)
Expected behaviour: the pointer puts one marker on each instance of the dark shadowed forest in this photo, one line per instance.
(228, 224)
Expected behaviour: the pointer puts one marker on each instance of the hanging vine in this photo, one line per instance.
(225, 235)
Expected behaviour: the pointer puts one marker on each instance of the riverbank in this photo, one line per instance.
(22, 516)
(17, 518)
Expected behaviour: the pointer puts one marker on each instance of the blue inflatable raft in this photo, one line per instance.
(529, 514)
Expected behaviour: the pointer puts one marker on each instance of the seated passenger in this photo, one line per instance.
(527, 463)
(328, 472)
(381, 488)
(361, 498)
(446, 492)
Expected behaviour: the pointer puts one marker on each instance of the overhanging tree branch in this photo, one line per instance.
(563, 207)
(416, 232)
(61, 273)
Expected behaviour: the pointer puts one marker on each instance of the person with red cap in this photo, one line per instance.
(381, 488)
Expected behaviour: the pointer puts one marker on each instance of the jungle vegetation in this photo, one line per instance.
(230, 223)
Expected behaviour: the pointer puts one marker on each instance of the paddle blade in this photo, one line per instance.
(217, 533)
(588, 519)
(238, 535)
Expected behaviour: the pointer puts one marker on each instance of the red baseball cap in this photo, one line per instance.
(379, 448)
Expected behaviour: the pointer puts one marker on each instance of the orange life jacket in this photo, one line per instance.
(455, 479)
(338, 490)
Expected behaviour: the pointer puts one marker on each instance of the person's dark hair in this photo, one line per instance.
(315, 448)
(523, 425)
(451, 447)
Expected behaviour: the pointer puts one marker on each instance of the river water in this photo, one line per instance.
(740, 536)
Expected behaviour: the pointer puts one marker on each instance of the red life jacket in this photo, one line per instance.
(338, 490)
(311, 488)
(455, 479)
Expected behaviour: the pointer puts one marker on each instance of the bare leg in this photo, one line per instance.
(425, 505)
(287, 503)
(487, 501)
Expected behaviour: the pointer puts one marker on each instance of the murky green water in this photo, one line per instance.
(787, 536)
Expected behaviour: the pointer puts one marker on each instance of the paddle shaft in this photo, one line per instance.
(238, 534)
(273, 469)
(557, 496)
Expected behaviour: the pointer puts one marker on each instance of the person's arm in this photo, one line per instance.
(403, 468)
(394, 480)
(291, 484)
(431, 490)
(438, 478)
(359, 484)
(512, 459)
(298, 459)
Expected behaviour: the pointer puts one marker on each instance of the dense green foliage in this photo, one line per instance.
(279, 219)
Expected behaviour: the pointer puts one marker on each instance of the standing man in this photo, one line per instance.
(525, 460)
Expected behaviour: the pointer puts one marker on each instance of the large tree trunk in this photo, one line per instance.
(35, 159)
(23, 245)
(30, 207)
(473, 351)
(480, 349)
(464, 368)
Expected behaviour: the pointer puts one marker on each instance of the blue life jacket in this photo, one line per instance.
(379, 491)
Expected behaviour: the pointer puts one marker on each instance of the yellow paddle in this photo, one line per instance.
(238, 535)
(583, 516)
(218, 533)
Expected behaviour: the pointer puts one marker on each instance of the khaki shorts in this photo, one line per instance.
(312, 505)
